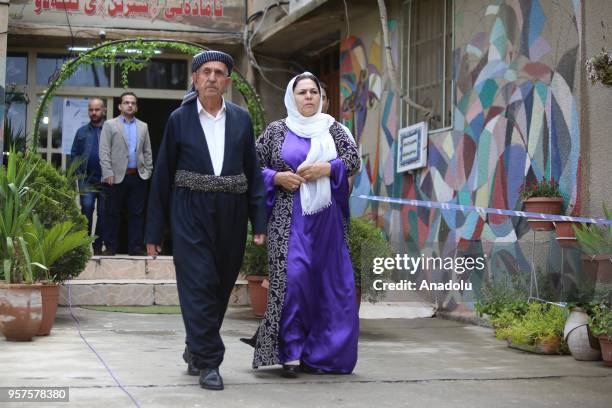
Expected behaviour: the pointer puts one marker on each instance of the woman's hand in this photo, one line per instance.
(288, 180)
(315, 171)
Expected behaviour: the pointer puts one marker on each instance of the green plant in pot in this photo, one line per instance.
(366, 241)
(596, 244)
(600, 323)
(20, 297)
(540, 330)
(46, 249)
(255, 267)
(542, 196)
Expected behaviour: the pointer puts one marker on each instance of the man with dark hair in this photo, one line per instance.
(126, 160)
(85, 147)
(207, 183)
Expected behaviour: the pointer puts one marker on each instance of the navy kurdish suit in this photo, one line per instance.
(208, 228)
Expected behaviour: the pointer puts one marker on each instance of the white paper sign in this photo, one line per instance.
(412, 147)
(74, 116)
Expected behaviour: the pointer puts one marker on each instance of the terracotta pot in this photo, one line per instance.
(566, 238)
(551, 346)
(597, 268)
(20, 311)
(578, 336)
(605, 343)
(545, 205)
(258, 295)
(50, 299)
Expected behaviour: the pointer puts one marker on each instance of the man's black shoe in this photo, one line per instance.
(109, 252)
(191, 369)
(290, 370)
(97, 251)
(305, 368)
(210, 379)
(137, 252)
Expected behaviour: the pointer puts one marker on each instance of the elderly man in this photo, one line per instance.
(207, 181)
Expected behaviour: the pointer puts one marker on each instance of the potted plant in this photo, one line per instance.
(600, 322)
(542, 197)
(255, 267)
(539, 331)
(56, 205)
(20, 298)
(46, 246)
(366, 241)
(596, 243)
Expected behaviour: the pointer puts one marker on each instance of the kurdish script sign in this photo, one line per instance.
(182, 15)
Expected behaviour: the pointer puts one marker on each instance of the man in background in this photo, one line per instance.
(85, 147)
(126, 160)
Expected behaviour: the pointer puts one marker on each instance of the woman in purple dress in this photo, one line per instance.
(311, 322)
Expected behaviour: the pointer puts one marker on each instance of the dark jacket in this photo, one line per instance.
(81, 146)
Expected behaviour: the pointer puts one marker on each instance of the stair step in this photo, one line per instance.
(132, 292)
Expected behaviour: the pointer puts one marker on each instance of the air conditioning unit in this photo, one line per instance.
(295, 5)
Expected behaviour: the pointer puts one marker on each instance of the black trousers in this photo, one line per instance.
(209, 233)
(130, 194)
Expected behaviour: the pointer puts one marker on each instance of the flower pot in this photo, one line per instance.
(50, 299)
(566, 238)
(20, 311)
(258, 295)
(548, 346)
(545, 205)
(597, 268)
(605, 343)
(578, 336)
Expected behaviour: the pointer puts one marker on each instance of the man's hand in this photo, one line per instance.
(288, 180)
(153, 250)
(259, 239)
(314, 171)
(109, 180)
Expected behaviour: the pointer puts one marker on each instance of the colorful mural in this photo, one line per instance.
(515, 120)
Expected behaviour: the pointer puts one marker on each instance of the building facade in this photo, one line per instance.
(506, 82)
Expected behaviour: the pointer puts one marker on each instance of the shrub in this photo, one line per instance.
(255, 261)
(542, 322)
(57, 204)
(366, 241)
(600, 320)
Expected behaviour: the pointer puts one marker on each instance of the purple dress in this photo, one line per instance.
(319, 322)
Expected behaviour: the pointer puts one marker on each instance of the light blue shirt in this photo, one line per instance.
(132, 136)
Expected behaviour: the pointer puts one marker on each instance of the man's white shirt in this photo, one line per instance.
(214, 132)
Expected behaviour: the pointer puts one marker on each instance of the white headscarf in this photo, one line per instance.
(314, 195)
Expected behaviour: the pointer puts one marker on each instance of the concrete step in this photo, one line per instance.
(132, 292)
(128, 267)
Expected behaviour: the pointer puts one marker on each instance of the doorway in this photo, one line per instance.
(155, 113)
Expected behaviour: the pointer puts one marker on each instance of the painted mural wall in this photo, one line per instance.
(515, 120)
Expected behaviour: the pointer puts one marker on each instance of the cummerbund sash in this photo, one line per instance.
(236, 184)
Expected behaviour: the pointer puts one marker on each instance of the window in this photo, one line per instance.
(85, 75)
(426, 59)
(16, 68)
(158, 74)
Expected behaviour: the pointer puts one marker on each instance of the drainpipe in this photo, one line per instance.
(4, 12)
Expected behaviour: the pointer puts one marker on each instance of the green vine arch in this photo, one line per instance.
(122, 52)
